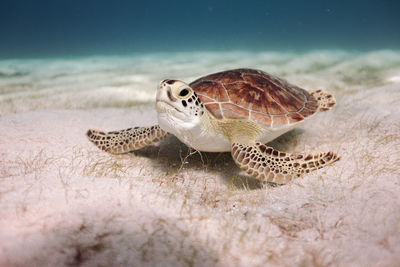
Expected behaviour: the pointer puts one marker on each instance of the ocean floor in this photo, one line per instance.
(63, 202)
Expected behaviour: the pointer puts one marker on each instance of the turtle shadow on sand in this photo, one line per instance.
(173, 156)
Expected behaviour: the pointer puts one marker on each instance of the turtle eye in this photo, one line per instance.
(184, 92)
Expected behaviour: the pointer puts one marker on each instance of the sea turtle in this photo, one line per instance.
(236, 110)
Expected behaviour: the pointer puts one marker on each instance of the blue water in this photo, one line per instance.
(50, 28)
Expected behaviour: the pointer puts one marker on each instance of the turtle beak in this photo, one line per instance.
(165, 99)
(164, 92)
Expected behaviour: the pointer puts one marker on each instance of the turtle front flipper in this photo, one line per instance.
(127, 140)
(267, 164)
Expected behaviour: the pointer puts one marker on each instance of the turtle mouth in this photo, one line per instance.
(163, 106)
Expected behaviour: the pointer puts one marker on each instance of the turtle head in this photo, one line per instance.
(178, 105)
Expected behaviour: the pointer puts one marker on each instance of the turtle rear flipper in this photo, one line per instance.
(123, 141)
(270, 165)
(326, 101)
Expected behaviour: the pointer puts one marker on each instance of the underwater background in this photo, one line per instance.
(48, 28)
(70, 66)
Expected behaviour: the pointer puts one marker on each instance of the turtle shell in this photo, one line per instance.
(254, 95)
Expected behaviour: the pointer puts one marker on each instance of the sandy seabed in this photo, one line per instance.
(65, 203)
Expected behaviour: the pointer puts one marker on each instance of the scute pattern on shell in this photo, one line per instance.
(255, 95)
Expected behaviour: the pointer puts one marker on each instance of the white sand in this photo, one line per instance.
(63, 202)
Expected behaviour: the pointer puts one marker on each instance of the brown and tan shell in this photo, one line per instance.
(254, 95)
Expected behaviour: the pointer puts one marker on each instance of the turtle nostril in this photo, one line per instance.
(166, 82)
(161, 84)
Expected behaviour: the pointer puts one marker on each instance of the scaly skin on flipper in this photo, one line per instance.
(326, 101)
(127, 140)
(267, 164)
